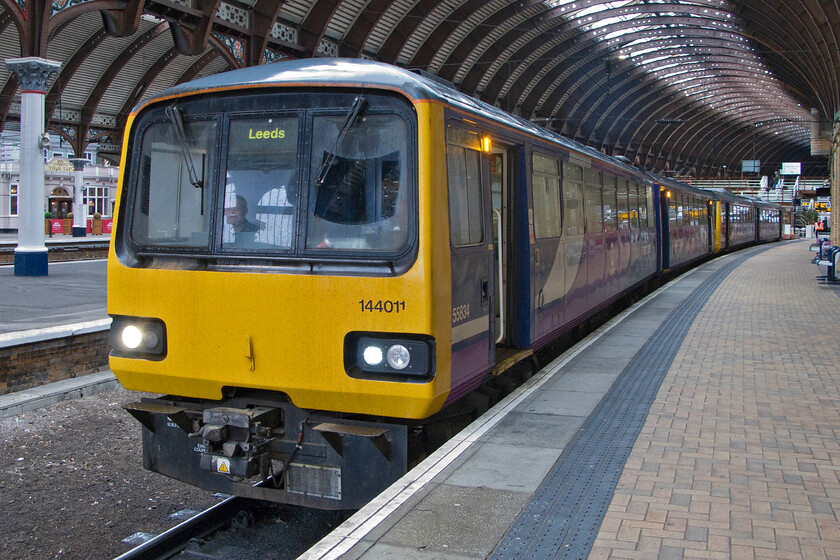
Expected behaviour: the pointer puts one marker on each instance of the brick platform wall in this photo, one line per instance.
(30, 365)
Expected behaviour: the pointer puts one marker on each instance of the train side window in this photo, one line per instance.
(623, 207)
(633, 205)
(574, 219)
(649, 197)
(594, 217)
(675, 215)
(463, 168)
(609, 203)
(642, 202)
(545, 182)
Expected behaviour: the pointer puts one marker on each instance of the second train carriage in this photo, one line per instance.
(769, 222)
(309, 255)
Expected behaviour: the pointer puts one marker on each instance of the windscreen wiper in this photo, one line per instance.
(355, 109)
(174, 115)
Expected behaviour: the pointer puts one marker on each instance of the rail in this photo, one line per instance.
(171, 542)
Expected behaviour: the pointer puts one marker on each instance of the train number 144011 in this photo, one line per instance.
(382, 306)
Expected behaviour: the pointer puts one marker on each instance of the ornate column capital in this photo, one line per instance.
(32, 72)
(79, 163)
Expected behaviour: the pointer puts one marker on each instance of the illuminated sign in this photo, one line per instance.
(277, 133)
(791, 168)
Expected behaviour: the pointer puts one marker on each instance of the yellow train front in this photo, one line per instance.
(280, 272)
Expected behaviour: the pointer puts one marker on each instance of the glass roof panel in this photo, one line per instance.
(699, 33)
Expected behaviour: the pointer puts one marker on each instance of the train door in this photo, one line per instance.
(574, 241)
(727, 225)
(502, 173)
(548, 246)
(710, 224)
(665, 227)
(474, 273)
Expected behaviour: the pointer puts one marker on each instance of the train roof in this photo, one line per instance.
(365, 74)
(725, 195)
(679, 185)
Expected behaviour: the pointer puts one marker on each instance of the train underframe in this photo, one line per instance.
(261, 446)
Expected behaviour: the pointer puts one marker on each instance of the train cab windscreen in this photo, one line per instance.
(301, 183)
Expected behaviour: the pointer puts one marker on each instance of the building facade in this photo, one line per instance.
(99, 182)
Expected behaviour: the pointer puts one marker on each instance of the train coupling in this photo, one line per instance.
(236, 440)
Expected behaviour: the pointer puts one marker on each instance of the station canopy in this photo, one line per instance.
(682, 87)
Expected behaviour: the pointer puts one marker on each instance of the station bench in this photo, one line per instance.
(828, 256)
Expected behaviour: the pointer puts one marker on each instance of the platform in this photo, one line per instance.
(701, 423)
(73, 292)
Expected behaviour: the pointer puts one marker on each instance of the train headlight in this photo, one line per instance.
(372, 355)
(131, 337)
(389, 356)
(138, 337)
(398, 357)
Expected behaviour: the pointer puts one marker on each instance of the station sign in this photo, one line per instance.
(791, 168)
(750, 166)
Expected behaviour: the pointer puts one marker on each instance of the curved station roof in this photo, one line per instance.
(678, 86)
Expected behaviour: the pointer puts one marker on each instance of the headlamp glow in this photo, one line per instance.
(132, 337)
(372, 355)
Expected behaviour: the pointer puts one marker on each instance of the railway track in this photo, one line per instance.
(172, 542)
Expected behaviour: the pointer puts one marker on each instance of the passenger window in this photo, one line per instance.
(545, 182)
(623, 208)
(594, 218)
(260, 183)
(642, 204)
(609, 203)
(633, 205)
(649, 196)
(465, 208)
(574, 219)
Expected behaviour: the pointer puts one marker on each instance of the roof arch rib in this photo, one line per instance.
(393, 46)
(358, 35)
(89, 108)
(558, 24)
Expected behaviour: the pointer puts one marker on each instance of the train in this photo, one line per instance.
(312, 258)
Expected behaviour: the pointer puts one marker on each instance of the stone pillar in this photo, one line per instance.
(33, 74)
(79, 206)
